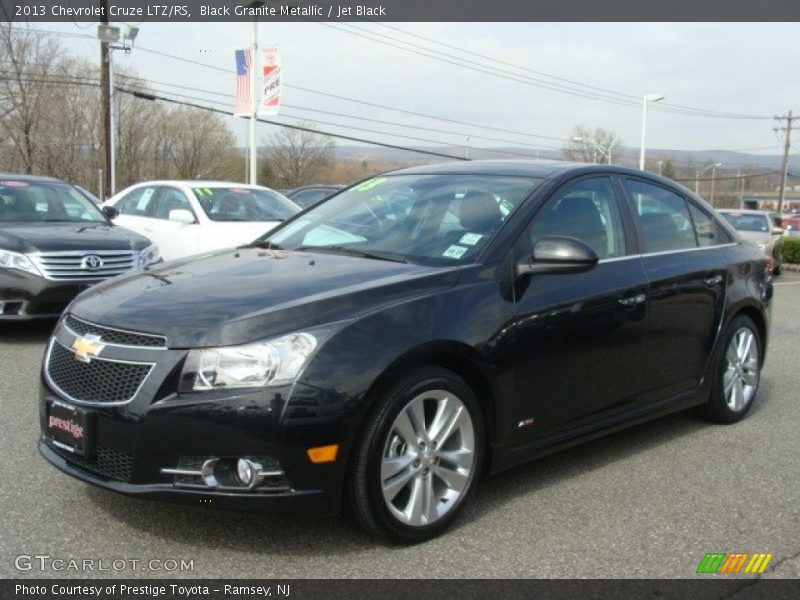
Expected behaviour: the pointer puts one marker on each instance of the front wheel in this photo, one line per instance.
(737, 372)
(419, 457)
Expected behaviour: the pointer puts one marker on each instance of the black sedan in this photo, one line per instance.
(54, 243)
(392, 344)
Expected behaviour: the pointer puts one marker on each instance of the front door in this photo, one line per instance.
(580, 338)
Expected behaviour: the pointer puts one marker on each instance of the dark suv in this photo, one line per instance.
(54, 243)
(390, 344)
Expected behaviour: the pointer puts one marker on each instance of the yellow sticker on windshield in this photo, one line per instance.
(370, 184)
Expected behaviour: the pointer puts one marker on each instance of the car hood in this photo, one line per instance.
(237, 296)
(55, 237)
(757, 237)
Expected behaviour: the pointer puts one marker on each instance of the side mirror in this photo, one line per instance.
(181, 215)
(110, 212)
(558, 255)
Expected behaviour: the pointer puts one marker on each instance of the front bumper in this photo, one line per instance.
(131, 443)
(26, 296)
(309, 502)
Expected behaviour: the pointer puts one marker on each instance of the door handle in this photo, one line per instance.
(715, 280)
(632, 301)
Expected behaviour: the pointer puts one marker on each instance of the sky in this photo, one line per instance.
(730, 67)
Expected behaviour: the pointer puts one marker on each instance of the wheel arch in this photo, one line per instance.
(461, 360)
(757, 316)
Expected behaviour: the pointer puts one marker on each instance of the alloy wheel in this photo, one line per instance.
(428, 458)
(740, 378)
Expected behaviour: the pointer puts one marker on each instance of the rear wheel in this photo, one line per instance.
(737, 372)
(419, 457)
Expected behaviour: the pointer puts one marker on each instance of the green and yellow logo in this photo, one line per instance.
(734, 563)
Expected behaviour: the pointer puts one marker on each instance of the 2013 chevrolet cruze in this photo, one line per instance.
(387, 346)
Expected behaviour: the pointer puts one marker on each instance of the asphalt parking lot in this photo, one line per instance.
(646, 502)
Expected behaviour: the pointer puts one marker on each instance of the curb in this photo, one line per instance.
(794, 268)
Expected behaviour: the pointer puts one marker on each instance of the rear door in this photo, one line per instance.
(686, 269)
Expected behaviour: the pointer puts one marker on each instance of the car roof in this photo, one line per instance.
(530, 168)
(199, 183)
(30, 178)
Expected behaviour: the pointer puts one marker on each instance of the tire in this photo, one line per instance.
(407, 489)
(735, 372)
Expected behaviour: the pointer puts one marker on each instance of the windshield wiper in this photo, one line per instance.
(266, 244)
(354, 252)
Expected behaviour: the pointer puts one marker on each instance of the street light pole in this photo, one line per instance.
(699, 172)
(253, 107)
(645, 100)
(713, 181)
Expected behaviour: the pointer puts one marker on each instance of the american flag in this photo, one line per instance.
(244, 61)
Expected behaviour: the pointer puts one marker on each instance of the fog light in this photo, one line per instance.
(246, 471)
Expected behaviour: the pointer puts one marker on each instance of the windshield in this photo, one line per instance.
(244, 204)
(35, 201)
(748, 222)
(432, 219)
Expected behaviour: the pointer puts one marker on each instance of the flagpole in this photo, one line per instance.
(253, 106)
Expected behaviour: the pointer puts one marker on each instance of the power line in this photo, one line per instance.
(505, 74)
(555, 77)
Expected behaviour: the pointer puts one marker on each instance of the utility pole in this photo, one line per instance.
(108, 124)
(786, 147)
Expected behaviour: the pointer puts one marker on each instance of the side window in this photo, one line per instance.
(663, 215)
(587, 210)
(137, 203)
(168, 200)
(705, 228)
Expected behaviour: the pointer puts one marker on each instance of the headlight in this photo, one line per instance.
(268, 363)
(149, 255)
(762, 246)
(13, 260)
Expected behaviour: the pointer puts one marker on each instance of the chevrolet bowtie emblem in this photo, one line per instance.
(86, 347)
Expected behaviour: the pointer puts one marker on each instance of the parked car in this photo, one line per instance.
(311, 194)
(191, 217)
(55, 243)
(384, 354)
(791, 224)
(760, 228)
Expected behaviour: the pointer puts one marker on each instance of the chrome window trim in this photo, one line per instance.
(98, 326)
(665, 252)
(52, 384)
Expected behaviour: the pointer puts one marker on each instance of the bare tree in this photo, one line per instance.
(26, 60)
(592, 145)
(298, 157)
(200, 142)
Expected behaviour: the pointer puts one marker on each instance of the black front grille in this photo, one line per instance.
(95, 381)
(108, 462)
(115, 336)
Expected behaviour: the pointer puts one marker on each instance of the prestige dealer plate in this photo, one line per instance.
(67, 427)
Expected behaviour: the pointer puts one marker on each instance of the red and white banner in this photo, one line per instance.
(271, 69)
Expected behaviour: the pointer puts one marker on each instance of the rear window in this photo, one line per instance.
(747, 221)
(244, 204)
